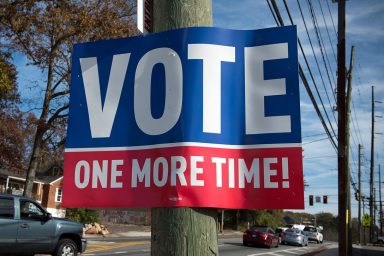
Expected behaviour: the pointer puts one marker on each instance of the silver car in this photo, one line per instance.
(294, 236)
(313, 234)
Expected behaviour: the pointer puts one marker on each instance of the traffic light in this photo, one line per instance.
(310, 200)
(325, 199)
(357, 195)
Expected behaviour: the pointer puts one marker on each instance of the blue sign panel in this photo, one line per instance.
(196, 117)
(204, 85)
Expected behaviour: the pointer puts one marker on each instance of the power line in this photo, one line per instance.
(330, 14)
(326, 26)
(305, 81)
(314, 135)
(321, 46)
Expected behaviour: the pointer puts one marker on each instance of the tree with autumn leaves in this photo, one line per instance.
(45, 31)
(12, 139)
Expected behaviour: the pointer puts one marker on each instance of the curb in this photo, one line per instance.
(316, 251)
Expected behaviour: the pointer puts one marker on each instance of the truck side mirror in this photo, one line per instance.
(48, 216)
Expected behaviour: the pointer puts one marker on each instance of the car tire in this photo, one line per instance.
(65, 247)
(245, 243)
(270, 244)
(317, 241)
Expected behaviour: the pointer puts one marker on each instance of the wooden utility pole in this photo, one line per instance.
(371, 202)
(374, 215)
(347, 131)
(359, 208)
(183, 231)
(381, 205)
(342, 163)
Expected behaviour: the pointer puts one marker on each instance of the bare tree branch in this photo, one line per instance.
(57, 114)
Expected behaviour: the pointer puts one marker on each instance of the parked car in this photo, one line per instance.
(296, 226)
(380, 240)
(314, 234)
(260, 236)
(294, 236)
(28, 229)
(279, 231)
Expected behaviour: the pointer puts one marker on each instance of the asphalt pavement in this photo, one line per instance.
(327, 249)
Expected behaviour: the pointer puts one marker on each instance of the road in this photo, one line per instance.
(227, 247)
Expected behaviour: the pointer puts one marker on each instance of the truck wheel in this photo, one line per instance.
(65, 247)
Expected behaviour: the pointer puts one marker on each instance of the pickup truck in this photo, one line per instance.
(26, 228)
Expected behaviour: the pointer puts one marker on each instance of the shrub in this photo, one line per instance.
(83, 215)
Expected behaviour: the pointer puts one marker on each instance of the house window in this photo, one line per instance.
(58, 196)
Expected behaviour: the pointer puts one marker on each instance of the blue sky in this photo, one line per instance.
(365, 31)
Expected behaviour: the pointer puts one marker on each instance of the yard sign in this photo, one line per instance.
(196, 117)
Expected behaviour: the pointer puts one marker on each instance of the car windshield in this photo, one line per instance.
(293, 231)
(310, 229)
(259, 229)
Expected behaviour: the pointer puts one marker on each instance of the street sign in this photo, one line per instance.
(199, 117)
(366, 220)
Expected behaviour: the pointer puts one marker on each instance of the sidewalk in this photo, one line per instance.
(128, 230)
(357, 250)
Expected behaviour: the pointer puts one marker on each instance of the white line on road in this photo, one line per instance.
(296, 251)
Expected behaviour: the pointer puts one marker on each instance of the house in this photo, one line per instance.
(47, 189)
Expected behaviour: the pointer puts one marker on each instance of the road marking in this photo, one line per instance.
(295, 251)
(100, 242)
(105, 247)
(291, 252)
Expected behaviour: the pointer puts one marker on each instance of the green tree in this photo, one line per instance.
(83, 215)
(329, 223)
(45, 31)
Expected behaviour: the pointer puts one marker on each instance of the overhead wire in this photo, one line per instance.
(320, 41)
(279, 21)
(311, 44)
(314, 55)
(326, 27)
(330, 14)
(305, 81)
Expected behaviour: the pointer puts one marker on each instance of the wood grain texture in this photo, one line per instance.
(183, 231)
(171, 14)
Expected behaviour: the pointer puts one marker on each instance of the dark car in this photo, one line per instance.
(279, 231)
(380, 240)
(26, 228)
(260, 236)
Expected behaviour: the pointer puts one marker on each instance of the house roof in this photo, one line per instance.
(38, 179)
(6, 173)
(49, 179)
